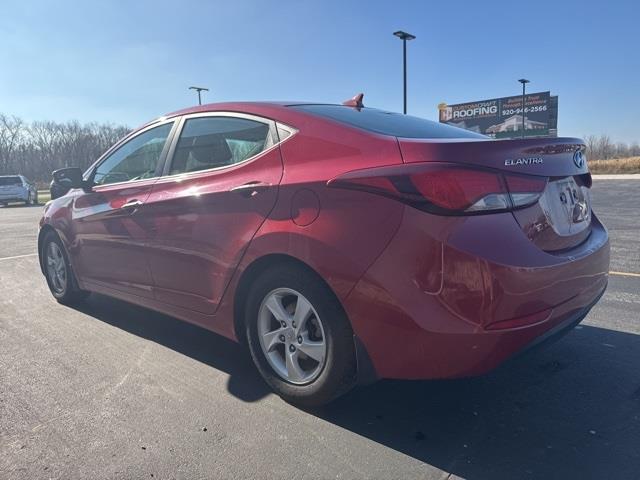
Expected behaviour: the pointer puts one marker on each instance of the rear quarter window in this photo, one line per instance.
(387, 123)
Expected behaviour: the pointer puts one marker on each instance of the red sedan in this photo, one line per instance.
(340, 243)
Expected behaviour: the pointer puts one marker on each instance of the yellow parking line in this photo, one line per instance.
(625, 274)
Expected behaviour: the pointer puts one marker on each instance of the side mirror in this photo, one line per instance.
(64, 180)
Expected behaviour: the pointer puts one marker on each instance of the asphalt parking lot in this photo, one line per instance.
(115, 391)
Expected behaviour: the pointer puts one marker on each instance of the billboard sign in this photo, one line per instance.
(502, 117)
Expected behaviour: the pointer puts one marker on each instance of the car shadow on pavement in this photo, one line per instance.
(571, 410)
(190, 340)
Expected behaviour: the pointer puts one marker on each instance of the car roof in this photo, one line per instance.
(268, 109)
(237, 106)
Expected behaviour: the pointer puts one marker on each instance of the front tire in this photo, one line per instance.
(60, 278)
(299, 336)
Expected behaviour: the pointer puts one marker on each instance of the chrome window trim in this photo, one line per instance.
(99, 188)
(273, 127)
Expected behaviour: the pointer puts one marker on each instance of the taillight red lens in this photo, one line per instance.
(456, 188)
(446, 189)
(525, 183)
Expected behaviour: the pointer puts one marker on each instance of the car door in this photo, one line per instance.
(110, 222)
(221, 185)
(30, 188)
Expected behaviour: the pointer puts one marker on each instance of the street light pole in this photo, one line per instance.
(523, 81)
(199, 89)
(404, 36)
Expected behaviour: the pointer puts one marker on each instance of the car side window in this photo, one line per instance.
(135, 160)
(212, 142)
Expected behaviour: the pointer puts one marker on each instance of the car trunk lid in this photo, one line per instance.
(561, 218)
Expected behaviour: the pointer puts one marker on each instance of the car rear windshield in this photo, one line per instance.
(10, 181)
(388, 123)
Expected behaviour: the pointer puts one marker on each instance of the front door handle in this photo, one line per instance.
(132, 205)
(250, 189)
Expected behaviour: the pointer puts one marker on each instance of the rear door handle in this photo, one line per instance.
(250, 189)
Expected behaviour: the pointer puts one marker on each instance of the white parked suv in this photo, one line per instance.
(17, 188)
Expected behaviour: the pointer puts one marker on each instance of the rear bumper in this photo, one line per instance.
(561, 329)
(14, 197)
(457, 297)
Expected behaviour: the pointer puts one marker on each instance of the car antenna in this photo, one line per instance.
(356, 101)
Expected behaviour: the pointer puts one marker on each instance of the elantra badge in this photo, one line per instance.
(516, 162)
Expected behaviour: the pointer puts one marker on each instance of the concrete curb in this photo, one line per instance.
(621, 176)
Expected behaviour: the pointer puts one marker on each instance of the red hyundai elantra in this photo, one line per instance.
(340, 243)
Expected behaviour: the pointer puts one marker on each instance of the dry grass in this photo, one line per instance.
(44, 196)
(616, 165)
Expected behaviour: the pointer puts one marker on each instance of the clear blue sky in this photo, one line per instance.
(127, 62)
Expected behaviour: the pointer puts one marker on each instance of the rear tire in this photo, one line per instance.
(58, 272)
(279, 349)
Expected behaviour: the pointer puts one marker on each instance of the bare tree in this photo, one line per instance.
(592, 146)
(602, 148)
(605, 147)
(622, 150)
(11, 130)
(36, 149)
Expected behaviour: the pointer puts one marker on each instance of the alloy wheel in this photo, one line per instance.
(292, 336)
(56, 268)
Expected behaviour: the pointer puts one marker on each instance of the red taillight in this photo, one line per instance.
(447, 189)
(456, 188)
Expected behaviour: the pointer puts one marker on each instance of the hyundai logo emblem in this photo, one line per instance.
(578, 159)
